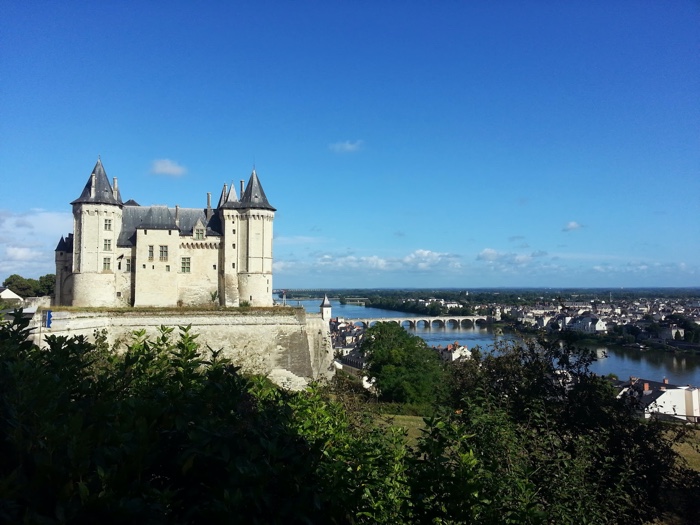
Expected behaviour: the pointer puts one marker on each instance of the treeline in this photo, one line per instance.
(166, 431)
(509, 296)
(27, 287)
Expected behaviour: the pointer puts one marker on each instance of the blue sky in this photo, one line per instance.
(404, 143)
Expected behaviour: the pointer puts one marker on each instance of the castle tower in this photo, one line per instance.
(97, 221)
(63, 291)
(256, 216)
(228, 255)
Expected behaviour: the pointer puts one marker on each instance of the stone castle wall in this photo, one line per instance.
(289, 345)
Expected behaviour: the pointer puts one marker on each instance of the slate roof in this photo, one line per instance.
(65, 244)
(103, 190)
(163, 218)
(254, 196)
(228, 197)
(326, 302)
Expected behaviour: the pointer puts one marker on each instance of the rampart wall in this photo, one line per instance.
(288, 345)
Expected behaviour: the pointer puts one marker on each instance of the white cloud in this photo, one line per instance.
(346, 146)
(571, 225)
(426, 260)
(21, 253)
(28, 241)
(167, 167)
(416, 261)
(488, 254)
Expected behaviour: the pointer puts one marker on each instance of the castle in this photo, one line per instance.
(123, 254)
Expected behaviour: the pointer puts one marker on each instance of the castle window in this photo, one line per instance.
(234, 245)
(150, 252)
(119, 294)
(199, 234)
(185, 265)
(107, 263)
(108, 225)
(108, 245)
(167, 267)
(128, 264)
(233, 265)
(163, 253)
(234, 231)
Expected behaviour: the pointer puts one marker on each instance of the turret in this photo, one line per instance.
(228, 263)
(325, 307)
(97, 219)
(255, 244)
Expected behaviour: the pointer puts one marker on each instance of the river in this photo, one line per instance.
(680, 369)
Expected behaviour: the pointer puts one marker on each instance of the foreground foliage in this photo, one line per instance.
(168, 432)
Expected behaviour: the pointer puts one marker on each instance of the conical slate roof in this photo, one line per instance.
(326, 303)
(254, 195)
(102, 192)
(228, 198)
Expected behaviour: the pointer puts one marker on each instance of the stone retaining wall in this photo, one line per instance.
(290, 346)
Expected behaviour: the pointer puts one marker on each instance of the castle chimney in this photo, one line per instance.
(177, 215)
(115, 188)
(646, 387)
(665, 380)
(242, 188)
(209, 212)
(92, 185)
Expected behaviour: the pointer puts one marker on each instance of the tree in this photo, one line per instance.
(31, 287)
(404, 368)
(554, 435)
(18, 284)
(165, 433)
(46, 285)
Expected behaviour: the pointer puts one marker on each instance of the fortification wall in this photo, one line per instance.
(287, 344)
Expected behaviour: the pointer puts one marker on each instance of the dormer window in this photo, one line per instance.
(199, 234)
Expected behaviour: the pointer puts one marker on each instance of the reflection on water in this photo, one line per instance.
(680, 369)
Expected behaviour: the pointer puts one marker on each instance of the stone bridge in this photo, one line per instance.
(454, 321)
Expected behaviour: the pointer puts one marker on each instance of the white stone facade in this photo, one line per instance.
(123, 254)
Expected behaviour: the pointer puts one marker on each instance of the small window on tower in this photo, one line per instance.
(108, 225)
(185, 265)
(163, 253)
(107, 263)
(150, 253)
(128, 264)
(108, 245)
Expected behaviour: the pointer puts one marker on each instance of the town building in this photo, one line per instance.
(122, 254)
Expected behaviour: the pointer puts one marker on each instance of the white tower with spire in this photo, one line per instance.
(256, 216)
(325, 308)
(97, 219)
